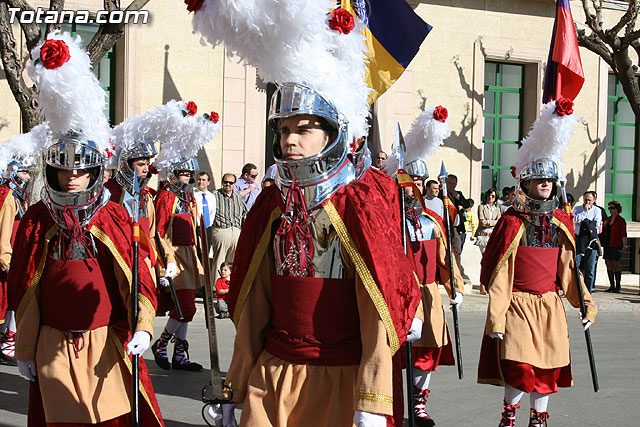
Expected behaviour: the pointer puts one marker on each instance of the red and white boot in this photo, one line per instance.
(159, 349)
(180, 358)
(422, 418)
(8, 349)
(538, 419)
(509, 415)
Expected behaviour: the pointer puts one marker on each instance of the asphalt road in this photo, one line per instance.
(616, 341)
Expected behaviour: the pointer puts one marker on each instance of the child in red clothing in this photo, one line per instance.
(222, 289)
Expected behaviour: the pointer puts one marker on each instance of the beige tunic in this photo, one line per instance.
(434, 329)
(279, 393)
(9, 212)
(535, 327)
(91, 387)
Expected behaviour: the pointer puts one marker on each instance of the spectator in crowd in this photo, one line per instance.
(106, 175)
(470, 222)
(504, 203)
(488, 215)
(603, 211)
(206, 202)
(230, 214)
(246, 184)
(268, 182)
(588, 219)
(270, 173)
(431, 200)
(222, 289)
(379, 160)
(614, 240)
(457, 198)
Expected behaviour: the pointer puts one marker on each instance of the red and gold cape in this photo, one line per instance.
(360, 214)
(111, 226)
(506, 237)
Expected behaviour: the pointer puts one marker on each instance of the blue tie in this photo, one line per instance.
(205, 210)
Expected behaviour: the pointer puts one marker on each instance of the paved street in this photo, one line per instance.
(616, 340)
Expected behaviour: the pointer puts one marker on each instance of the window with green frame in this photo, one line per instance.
(104, 70)
(620, 145)
(503, 100)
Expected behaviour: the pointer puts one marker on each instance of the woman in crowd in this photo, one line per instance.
(488, 215)
(614, 231)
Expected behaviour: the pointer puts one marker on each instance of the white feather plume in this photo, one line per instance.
(181, 136)
(421, 142)
(548, 137)
(70, 96)
(24, 145)
(290, 41)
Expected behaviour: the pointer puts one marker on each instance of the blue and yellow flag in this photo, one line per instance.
(394, 34)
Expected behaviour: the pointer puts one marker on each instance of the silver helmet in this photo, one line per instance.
(73, 152)
(21, 187)
(362, 159)
(543, 168)
(417, 167)
(125, 174)
(179, 188)
(320, 175)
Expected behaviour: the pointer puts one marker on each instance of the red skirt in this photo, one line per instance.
(429, 358)
(528, 378)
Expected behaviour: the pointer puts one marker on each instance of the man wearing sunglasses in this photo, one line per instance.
(227, 221)
(247, 186)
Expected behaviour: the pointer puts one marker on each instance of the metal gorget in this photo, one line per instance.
(83, 207)
(420, 227)
(540, 236)
(362, 160)
(316, 176)
(67, 248)
(185, 196)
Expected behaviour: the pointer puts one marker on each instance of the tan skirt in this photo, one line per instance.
(283, 394)
(434, 328)
(536, 331)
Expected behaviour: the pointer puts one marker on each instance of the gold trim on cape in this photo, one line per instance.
(564, 228)
(36, 277)
(507, 254)
(256, 260)
(106, 240)
(365, 275)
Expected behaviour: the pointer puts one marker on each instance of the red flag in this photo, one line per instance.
(564, 76)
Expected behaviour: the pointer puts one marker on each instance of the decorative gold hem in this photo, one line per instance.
(374, 397)
(507, 254)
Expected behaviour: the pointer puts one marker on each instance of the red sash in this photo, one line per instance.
(182, 230)
(75, 295)
(424, 255)
(535, 270)
(315, 321)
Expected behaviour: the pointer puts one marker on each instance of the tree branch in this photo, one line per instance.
(597, 46)
(54, 5)
(11, 61)
(31, 31)
(108, 34)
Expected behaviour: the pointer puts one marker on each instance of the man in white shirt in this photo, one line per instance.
(587, 251)
(431, 200)
(206, 202)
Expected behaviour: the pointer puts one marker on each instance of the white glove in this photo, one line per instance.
(164, 282)
(498, 335)
(171, 270)
(457, 300)
(586, 324)
(368, 419)
(27, 369)
(415, 332)
(139, 343)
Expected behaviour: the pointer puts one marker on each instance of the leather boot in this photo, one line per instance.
(159, 349)
(8, 349)
(509, 415)
(419, 404)
(538, 419)
(612, 281)
(618, 275)
(180, 360)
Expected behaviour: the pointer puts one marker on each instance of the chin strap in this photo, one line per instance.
(295, 237)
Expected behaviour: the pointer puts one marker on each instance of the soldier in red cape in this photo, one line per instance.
(15, 193)
(71, 285)
(529, 259)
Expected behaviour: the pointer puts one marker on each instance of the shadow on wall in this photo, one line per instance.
(170, 91)
(585, 180)
(529, 8)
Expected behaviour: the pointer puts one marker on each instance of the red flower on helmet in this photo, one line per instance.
(564, 106)
(192, 108)
(513, 171)
(54, 53)
(440, 113)
(213, 116)
(193, 5)
(153, 170)
(342, 20)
